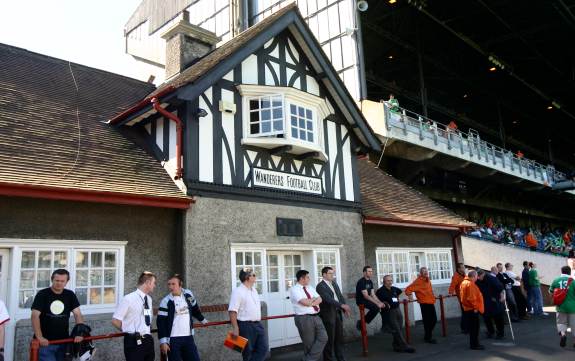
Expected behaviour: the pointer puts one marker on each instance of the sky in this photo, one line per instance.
(88, 32)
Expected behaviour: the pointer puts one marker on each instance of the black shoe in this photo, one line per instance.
(432, 341)
(563, 341)
(478, 347)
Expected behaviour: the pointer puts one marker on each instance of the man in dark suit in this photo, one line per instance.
(330, 311)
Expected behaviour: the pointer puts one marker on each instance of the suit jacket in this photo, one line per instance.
(329, 306)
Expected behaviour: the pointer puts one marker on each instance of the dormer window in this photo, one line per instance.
(282, 116)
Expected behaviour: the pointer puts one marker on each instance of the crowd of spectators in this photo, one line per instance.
(545, 239)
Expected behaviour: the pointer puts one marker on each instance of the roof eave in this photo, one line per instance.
(83, 195)
(412, 224)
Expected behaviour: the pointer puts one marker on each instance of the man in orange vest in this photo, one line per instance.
(426, 299)
(472, 301)
(456, 280)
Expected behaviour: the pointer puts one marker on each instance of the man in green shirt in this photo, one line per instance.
(535, 290)
(566, 310)
(393, 104)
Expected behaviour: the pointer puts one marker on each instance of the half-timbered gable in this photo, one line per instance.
(264, 115)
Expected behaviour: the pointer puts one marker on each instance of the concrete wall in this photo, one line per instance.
(212, 225)
(485, 254)
(152, 245)
(385, 236)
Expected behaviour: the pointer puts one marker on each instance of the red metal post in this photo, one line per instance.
(443, 324)
(406, 317)
(34, 349)
(363, 330)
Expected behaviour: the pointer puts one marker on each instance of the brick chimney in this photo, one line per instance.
(185, 43)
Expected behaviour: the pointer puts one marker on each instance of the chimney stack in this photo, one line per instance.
(185, 43)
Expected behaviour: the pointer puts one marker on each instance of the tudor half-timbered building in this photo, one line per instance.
(264, 135)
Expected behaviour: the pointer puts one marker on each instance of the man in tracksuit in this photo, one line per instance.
(175, 323)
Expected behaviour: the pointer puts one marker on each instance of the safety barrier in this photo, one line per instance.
(35, 344)
(405, 302)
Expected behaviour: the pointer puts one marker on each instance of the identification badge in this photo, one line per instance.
(147, 312)
(138, 342)
(394, 299)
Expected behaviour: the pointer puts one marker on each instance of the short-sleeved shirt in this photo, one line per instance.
(132, 313)
(534, 278)
(4, 316)
(390, 296)
(246, 303)
(55, 311)
(362, 284)
(297, 293)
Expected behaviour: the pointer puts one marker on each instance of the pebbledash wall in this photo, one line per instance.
(218, 231)
(389, 248)
(141, 238)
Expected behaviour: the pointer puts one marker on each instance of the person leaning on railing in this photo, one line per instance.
(51, 313)
(426, 299)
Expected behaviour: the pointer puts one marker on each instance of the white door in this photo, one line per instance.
(416, 263)
(9, 328)
(281, 270)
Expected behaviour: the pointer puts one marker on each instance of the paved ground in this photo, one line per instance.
(535, 340)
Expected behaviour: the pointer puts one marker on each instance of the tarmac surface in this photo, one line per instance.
(535, 339)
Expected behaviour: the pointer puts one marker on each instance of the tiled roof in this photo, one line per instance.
(212, 59)
(53, 136)
(386, 198)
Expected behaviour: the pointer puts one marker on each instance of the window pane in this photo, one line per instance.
(43, 280)
(266, 127)
(301, 111)
(96, 277)
(310, 136)
(294, 132)
(248, 258)
(274, 286)
(273, 260)
(95, 296)
(82, 294)
(266, 115)
(96, 258)
(110, 260)
(302, 123)
(278, 113)
(239, 258)
(81, 278)
(273, 273)
(293, 109)
(309, 125)
(28, 259)
(81, 259)
(302, 134)
(277, 101)
(297, 259)
(308, 114)
(254, 104)
(265, 102)
(110, 277)
(109, 295)
(278, 125)
(25, 299)
(288, 260)
(254, 128)
(60, 259)
(44, 259)
(257, 258)
(254, 117)
(26, 279)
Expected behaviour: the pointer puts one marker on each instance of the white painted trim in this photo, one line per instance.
(282, 246)
(24, 242)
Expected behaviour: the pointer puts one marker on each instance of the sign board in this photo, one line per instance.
(286, 181)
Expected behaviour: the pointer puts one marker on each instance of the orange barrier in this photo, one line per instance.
(35, 344)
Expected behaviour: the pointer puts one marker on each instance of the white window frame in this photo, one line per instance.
(251, 247)
(408, 251)
(70, 246)
(250, 111)
(319, 107)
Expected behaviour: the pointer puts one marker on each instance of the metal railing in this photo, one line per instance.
(404, 122)
(405, 302)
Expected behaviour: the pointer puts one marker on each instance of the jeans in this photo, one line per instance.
(536, 300)
(257, 347)
(52, 353)
(183, 349)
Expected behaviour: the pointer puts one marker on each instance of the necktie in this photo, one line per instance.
(146, 314)
(309, 297)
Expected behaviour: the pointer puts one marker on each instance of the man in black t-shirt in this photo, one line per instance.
(50, 314)
(365, 295)
(391, 317)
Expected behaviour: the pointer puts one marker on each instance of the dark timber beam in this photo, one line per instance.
(280, 150)
(307, 155)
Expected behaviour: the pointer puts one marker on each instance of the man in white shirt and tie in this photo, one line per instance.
(245, 316)
(133, 316)
(306, 303)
